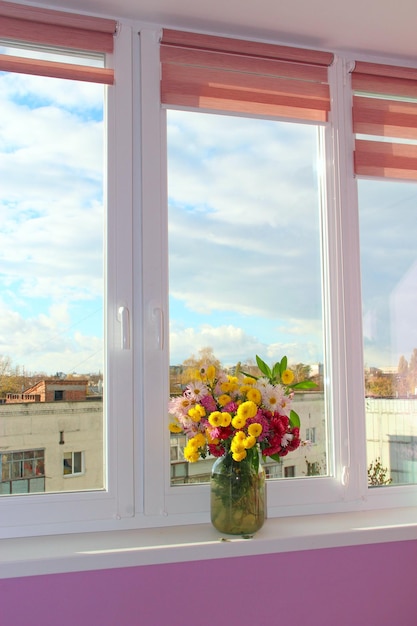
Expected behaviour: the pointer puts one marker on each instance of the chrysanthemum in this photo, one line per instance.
(226, 419)
(174, 427)
(255, 429)
(272, 397)
(196, 391)
(224, 399)
(249, 442)
(179, 405)
(215, 419)
(254, 395)
(239, 421)
(239, 456)
(287, 377)
(247, 409)
(197, 412)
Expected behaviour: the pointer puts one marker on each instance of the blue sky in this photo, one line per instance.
(243, 232)
(244, 238)
(51, 214)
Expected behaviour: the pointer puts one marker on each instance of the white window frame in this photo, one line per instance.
(139, 494)
(91, 510)
(73, 473)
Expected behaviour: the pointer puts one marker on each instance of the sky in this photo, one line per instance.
(244, 240)
(51, 215)
(244, 237)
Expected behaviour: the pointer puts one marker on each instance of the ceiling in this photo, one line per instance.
(382, 27)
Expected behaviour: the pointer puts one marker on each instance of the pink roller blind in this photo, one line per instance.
(385, 107)
(207, 72)
(21, 23)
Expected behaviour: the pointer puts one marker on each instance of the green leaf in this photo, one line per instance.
(275, 457)
(264, 368)
(247, 374)
(294, 419)
(276, 371)
(283, 365)
(304, 384)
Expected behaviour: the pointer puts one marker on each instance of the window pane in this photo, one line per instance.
(51, 274)
(389, 286)
(244, 257)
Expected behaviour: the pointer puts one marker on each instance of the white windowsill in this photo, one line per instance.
(127, 548)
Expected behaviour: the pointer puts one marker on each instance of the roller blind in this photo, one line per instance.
(231, 75)
(21, 24)
(385, 120)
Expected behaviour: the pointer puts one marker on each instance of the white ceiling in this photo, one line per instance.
(384, 27)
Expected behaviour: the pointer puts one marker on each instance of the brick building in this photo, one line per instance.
(52, 390)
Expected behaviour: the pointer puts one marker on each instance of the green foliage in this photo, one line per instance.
(377, 474)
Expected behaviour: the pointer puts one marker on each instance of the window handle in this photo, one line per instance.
(123, 317)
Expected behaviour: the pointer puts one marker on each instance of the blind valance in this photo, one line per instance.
(56, 29)
(230, 75)
(385, 120)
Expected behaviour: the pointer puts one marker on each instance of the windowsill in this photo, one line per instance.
(127, 548)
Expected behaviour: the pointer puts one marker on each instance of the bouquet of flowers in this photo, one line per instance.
(222, 413)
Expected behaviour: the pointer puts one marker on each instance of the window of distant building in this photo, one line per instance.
(22, 471)
(73, 463)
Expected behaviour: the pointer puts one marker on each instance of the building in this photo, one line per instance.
(51, 439)
(52, 390)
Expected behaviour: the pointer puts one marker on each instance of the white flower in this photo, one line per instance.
(272, 397)
(286, 439)
(196, 391)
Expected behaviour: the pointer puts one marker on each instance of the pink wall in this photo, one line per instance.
(372, 585)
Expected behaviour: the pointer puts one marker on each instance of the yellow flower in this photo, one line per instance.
(247, 409)
(226, 419)
(254, 395)
(249, 442)
(224, 399)
(174, 427)
(287, 377)
(239, 456)
(248, 380)
(211, 372)
(215, 419)
(197, 412)
(199, 440)
(240, 436)
(190, 455)
(254, 429)
(237, 445)
(238, 421)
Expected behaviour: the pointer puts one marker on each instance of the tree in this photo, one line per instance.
(412, 372)
(204, 359)
(377, 474)
(402, 379)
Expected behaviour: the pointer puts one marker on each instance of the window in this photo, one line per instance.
(384, 113)
(311, 434)
(61, 264)
(175, 192)
(73, 463)
(22, 472)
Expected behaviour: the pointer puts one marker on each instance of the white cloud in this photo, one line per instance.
(52, 222)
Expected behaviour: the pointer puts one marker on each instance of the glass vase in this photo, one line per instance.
(238, 494)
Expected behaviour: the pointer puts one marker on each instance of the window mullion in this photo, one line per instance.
(345, 295)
